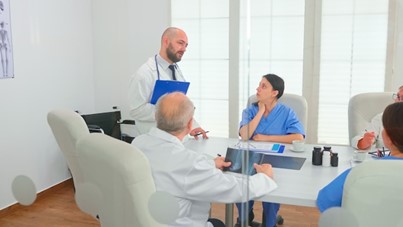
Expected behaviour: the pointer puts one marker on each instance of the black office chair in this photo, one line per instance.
(108, 123)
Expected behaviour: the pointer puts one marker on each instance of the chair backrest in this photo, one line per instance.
(373, 192)
(108, 122)
(68, 127)
(123, 176)
(363, 107)
(297, 102)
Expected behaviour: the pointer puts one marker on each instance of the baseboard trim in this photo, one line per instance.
(10, 209)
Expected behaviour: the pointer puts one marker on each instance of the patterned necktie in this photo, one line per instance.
(172, 67)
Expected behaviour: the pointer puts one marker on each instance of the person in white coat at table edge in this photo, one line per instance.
(174, 42)
(372, 133)
(193, 178)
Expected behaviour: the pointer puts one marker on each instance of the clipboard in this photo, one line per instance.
(162, 87)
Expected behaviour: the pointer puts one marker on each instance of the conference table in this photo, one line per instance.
(295, 187)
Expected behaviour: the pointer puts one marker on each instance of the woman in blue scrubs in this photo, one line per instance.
(271, 121)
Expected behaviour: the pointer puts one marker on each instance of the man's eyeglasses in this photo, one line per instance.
(379, 153)
(397, 96)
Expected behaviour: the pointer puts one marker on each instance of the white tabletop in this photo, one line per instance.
(295, 187)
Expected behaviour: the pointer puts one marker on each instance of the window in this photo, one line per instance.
(353, 39)
(205, 63)
(276, 43)
(352, 61)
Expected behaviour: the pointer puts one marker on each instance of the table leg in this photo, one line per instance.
(229, 214)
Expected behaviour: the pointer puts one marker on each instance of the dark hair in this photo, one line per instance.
(392, 120)
(276, 82)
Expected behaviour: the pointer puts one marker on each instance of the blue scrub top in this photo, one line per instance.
(282, 120)
(332, 194)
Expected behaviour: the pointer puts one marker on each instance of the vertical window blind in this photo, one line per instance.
(276, 43)
(352, 61)
(352, 56)
(205, 63)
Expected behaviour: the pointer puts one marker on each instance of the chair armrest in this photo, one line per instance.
(95, 128)
(128, 122)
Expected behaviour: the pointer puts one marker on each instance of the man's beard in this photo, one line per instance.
(171, 55)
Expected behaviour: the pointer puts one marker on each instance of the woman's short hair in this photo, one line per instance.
(392, 120)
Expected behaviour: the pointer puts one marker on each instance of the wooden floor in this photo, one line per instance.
(294, 216)
(56, 207)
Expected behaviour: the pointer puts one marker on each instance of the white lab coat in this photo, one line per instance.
(375, 126)
(141, 89)
(193, 178)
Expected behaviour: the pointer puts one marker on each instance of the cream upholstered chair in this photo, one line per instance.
(122, 175)
(68, 127)
(296, 102)
(373, 193)
(363, 107)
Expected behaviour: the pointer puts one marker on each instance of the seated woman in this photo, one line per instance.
(392, 134)
(269, 120)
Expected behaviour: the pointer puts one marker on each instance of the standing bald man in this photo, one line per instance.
(162, 66)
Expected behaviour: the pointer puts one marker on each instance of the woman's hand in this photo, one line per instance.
(262, 107)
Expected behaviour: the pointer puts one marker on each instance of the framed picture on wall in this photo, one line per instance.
(6, 44)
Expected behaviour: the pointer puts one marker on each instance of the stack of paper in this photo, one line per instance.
(262, 147)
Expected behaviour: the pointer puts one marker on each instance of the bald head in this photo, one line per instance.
(170, 33)
(174, 42)
(173, 113)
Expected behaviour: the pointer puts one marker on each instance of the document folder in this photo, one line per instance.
(237, 157)
(167, 86)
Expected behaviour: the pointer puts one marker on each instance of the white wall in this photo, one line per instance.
(126, 33)
(77, 54)
(53, 65)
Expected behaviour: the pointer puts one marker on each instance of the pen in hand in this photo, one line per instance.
(199, 133)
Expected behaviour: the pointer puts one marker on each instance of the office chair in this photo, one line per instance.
(373, 193)
(363, 107)
(108, 123)
(296, 102)
(68, 127)
(122, 175)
